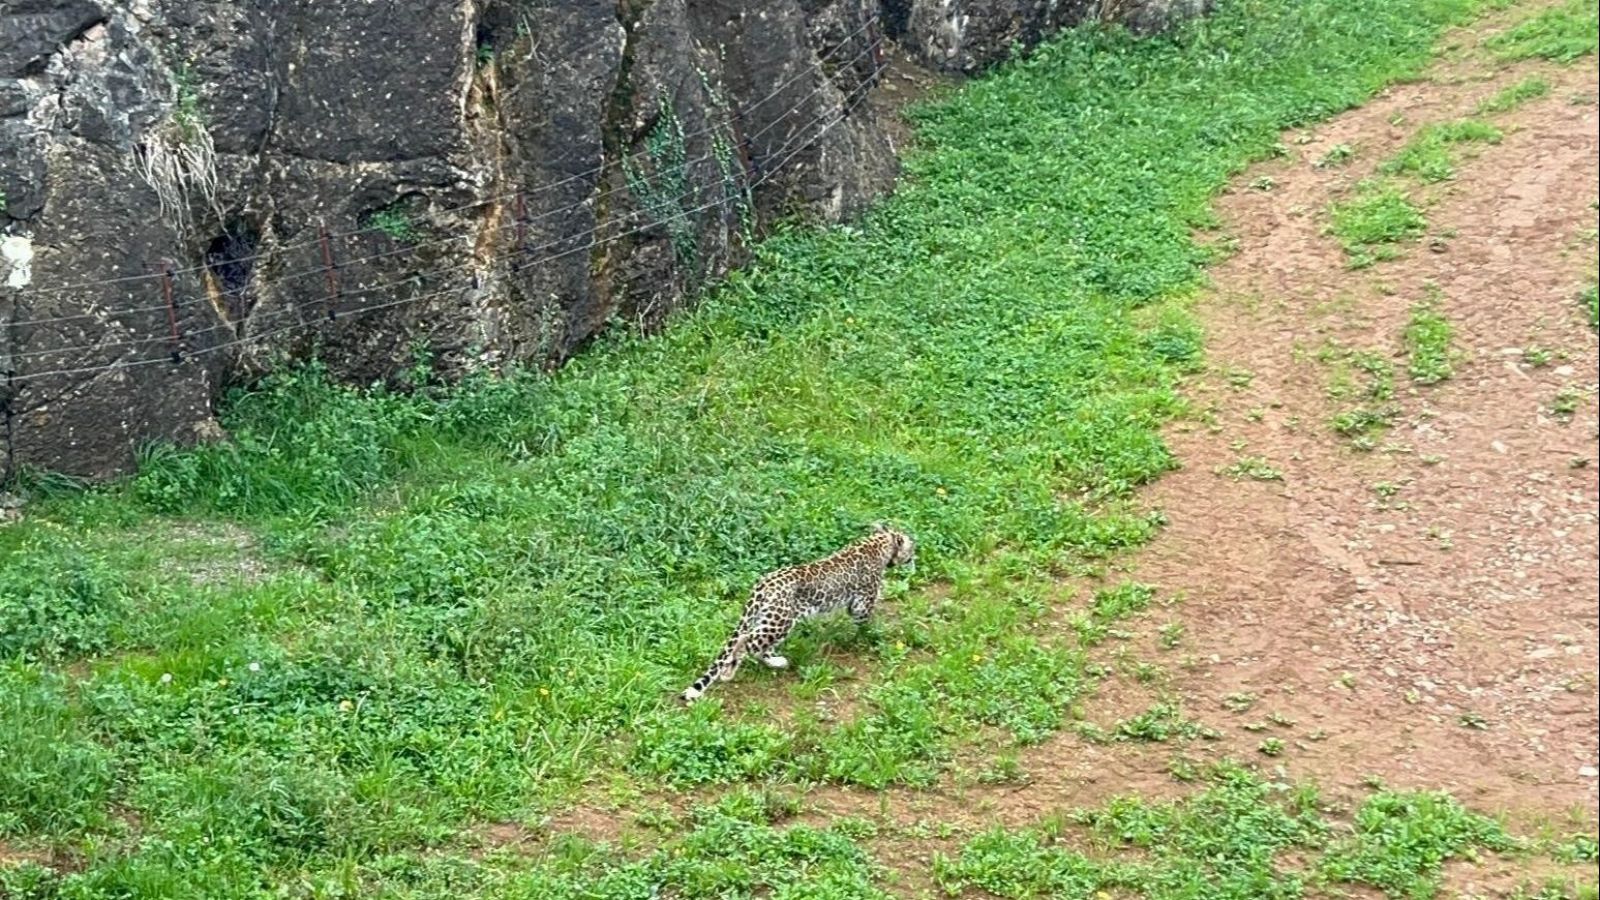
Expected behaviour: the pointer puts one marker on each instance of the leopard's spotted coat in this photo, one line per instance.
(851, 579)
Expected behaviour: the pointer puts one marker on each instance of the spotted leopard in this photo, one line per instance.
(851, 579)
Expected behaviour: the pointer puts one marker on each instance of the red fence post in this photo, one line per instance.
(176, 339)
(330, 268)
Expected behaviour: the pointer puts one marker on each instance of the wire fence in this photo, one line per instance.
(591, 176)
(164, 339)
(330, 260)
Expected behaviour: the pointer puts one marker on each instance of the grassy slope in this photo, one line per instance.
(472, 599)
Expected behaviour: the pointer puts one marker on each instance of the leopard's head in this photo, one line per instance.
(902, 548)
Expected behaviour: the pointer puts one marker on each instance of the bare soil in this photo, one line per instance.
(1430, 606)
(1424, 613)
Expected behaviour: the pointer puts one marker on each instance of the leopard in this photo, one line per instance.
(851, 579)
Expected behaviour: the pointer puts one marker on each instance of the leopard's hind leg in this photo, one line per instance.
(765, 641)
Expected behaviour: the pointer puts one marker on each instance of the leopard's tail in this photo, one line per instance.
(728, 656)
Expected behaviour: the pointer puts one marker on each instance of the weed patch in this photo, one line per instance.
(1402, 840)
(1371, 225)
(55, 600)
(1530, 88)
(1252, 467)
(1161, 722)
(1337, 155)
(1565, 403)
(1231, 840)
(1367, 378)
(1427, 341)
(1108, 607)
(1431, 157)
(1562, 34)
(1219, 843)
(1113, 604)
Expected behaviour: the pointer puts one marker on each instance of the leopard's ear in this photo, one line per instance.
(879, 528)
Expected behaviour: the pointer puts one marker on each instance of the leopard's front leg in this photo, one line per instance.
(862, 605)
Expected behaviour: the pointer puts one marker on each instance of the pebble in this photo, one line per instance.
(1589, 772)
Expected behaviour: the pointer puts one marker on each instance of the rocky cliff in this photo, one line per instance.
(196, 190)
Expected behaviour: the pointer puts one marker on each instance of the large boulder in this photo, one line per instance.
(197, 191)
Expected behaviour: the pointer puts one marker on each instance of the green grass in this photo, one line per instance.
(1578, 848)
(1531, 88)
(462, 603)
(1372, 224)
(1107, 608)
(739, 847)
(1590, 297)
(1241, 837)
(55, 778)
(1430, 155)
(1401, 841)
(1556, 889)
(1563, 34)
(1366, 377)
(1161, 722)
(1430, 358)
(1219, 843)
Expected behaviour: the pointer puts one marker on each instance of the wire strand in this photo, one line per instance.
(494, 230)
(859, 95)
(807, 70)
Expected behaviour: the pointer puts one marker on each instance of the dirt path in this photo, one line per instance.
(1422, 612)
(1428, 608)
